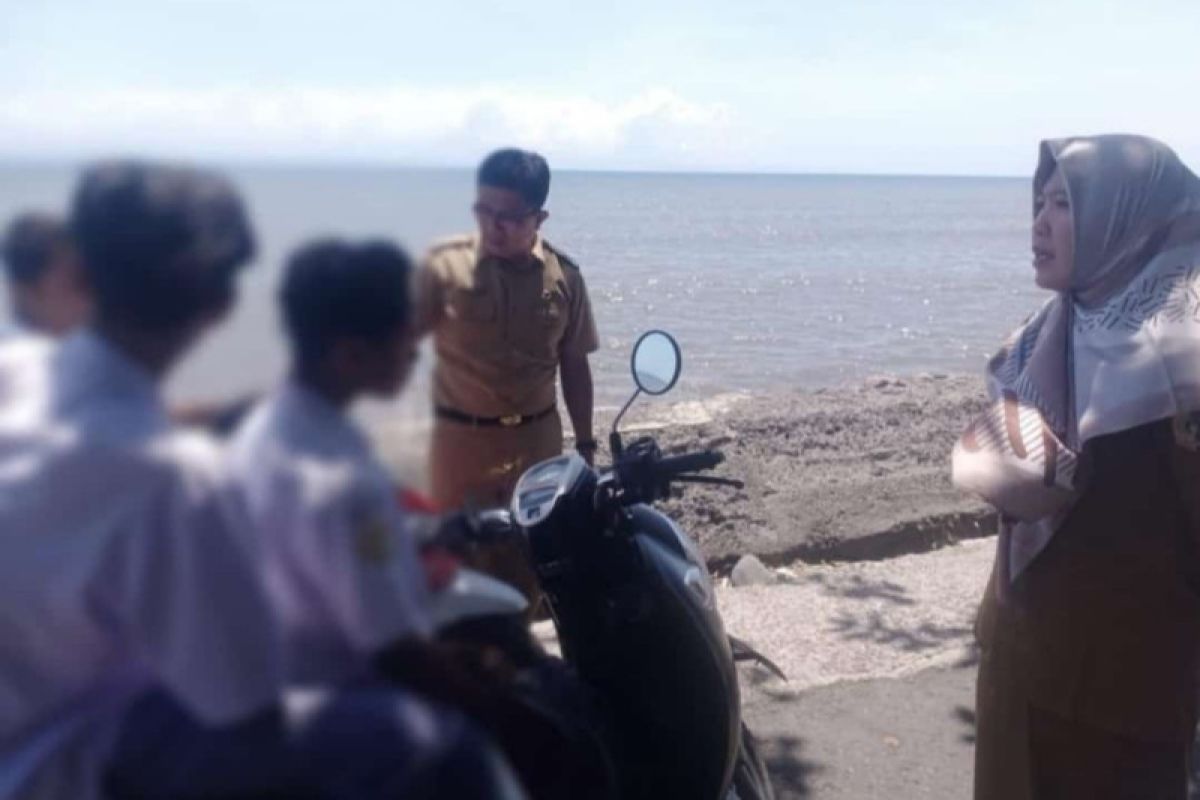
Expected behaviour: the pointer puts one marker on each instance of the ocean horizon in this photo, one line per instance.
(769, 280)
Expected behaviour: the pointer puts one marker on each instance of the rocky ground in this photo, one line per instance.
(846, 473)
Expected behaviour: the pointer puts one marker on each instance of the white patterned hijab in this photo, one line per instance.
(1119, 350)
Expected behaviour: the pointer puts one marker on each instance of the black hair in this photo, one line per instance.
(160, 244)
(30, 243)
(520, 171)
(334, 289)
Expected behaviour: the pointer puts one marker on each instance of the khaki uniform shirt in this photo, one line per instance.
(500, 328)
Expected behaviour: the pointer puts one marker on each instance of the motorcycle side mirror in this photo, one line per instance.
(656, 363)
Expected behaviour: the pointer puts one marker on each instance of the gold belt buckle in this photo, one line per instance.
(511, 421)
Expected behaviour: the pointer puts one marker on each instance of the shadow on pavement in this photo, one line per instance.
(790, 772)
(857, 587)
(966, 717)
(860, 588)
(872, 627)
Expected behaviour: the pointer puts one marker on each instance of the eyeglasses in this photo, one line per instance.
(509, 219)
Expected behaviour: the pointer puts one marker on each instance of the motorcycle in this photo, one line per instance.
(634, 607)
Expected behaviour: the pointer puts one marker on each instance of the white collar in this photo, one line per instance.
(91, 371)
(333, 428)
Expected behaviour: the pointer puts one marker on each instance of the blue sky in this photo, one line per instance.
(787, 85)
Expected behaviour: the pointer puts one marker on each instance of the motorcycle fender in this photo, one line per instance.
(472, 595)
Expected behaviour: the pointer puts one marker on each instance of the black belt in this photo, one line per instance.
(509, 421)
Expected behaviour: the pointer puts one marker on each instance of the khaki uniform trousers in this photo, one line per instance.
(478, 467)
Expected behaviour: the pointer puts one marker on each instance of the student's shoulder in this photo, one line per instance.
(193, 460)
(329, 484)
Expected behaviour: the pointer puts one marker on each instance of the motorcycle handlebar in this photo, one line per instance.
(690, 462)
(644, 476)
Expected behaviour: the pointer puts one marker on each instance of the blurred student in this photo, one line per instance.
(342, 564)
(50, 297)
(46, 289)
(142, 657)
(340, 555)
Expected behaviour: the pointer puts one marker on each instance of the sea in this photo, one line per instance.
(769, 282)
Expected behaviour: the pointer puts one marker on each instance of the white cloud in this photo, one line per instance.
(402, 124)
(817, 117)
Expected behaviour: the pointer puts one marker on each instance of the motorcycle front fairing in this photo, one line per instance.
(681, 682)
(635, 612)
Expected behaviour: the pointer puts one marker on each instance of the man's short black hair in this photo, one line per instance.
(30, 243)
(333, 289)
(520, 171)
(160, 244)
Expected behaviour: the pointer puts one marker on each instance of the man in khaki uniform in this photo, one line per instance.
(508, 314)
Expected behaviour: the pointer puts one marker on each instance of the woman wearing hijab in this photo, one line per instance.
(1090, 626)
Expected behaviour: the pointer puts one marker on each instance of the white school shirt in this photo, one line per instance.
(24, 361)
(125, 564)
(340, 560)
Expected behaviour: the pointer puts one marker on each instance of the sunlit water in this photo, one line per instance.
(767, 281)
